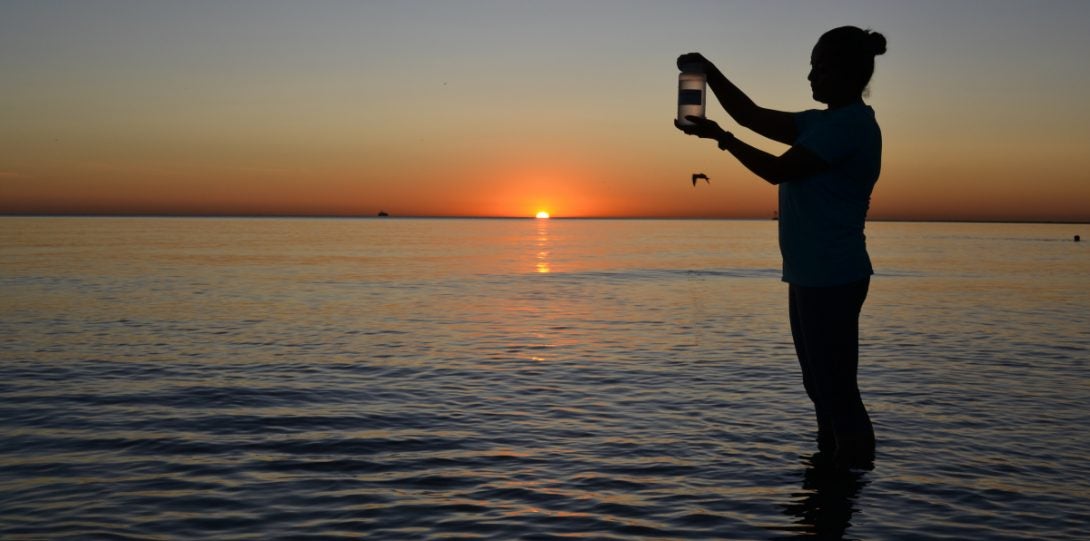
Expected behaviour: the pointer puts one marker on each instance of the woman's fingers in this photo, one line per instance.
(691, 58)
(690, 129)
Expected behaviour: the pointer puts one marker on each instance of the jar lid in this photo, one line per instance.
(694, 67)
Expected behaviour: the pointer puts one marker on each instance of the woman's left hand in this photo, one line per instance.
(696, 58)
(701, 127)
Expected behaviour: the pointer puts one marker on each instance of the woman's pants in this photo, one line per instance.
(825, 328)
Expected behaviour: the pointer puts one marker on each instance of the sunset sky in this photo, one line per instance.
(505, 108)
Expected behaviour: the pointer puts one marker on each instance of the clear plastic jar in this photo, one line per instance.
(691, 85)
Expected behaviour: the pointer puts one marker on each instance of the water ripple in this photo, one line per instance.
(213, 385)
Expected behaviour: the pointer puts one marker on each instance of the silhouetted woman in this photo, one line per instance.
(825, 181)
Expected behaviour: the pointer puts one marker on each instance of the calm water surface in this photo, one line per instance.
(521, 379)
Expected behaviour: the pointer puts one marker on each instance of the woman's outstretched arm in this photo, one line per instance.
(775, 125)
(796, 163)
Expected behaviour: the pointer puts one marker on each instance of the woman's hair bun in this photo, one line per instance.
(852, 40)
(877, 42)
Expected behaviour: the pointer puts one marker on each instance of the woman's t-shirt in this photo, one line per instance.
(822, 216)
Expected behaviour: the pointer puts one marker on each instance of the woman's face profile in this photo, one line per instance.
(828, 84)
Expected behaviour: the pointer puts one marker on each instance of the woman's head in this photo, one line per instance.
(842, 63)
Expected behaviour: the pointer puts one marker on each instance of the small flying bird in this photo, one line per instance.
(698, 176)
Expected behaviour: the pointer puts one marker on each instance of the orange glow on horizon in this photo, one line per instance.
(521, 185)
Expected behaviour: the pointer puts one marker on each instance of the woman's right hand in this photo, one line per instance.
(704, 128)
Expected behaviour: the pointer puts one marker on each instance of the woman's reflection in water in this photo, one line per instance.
(823, 510)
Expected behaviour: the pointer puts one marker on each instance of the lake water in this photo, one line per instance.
(521, 379)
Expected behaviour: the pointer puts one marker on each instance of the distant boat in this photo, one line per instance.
(382, 213)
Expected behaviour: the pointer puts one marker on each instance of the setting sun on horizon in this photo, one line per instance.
(247, 109)
(542, 215)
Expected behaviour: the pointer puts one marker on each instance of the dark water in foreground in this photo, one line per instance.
(480, 379)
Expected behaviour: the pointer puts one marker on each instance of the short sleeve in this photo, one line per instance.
(827, 136)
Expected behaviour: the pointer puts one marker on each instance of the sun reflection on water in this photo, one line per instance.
(542, 246)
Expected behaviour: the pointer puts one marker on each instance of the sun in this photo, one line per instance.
(542, 215)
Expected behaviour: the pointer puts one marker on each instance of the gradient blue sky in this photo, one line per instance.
(507, 107)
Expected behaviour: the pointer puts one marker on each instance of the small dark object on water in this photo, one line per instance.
(697, 176)
(382, 213)
(1077, 239)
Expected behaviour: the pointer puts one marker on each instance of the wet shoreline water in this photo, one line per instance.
(513, 379)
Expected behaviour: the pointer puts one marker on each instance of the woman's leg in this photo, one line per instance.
(828, 319)
(825, 439)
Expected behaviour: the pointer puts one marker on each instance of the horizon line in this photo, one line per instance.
(472, 217)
